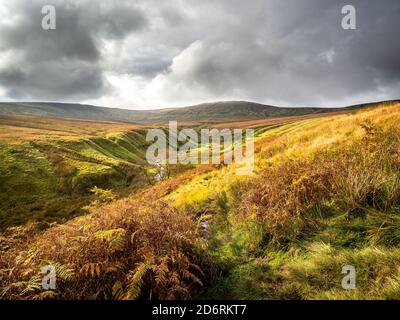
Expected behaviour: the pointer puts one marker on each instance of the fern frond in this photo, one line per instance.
(91, 270)
(23, 287)
(46, 295)
(114, 267)
(161, 272)
(34, 283)
(136, 279)
(117, 291)
(115, 238)
(190, 276)
(63, 272)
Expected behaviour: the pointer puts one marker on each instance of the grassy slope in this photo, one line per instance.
(48, 167)
(17, 128)
(326, 193)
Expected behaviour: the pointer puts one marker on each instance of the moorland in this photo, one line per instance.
(79, 195)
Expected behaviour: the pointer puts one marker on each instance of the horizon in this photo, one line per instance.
(202, 103)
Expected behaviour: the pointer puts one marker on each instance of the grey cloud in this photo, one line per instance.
(279, 55)
(112, 19)
(292, 52)
(148, 68)
(65, 63)
(70, 40)
(52, 77)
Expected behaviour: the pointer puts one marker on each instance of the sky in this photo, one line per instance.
(153, 54)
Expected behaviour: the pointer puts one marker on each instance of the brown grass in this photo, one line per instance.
(27, 128)
(248, 124)
(288, 197)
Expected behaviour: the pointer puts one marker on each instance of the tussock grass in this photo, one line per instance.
(317, 274)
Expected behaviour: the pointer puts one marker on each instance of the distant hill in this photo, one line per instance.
(210, 112)
(232, 110)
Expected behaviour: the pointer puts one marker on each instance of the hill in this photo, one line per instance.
(207, 112)
(71, 111)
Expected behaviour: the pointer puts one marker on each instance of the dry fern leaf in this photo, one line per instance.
(117, 291)
(46, 295)
(91, 270)
(63, 271)
(33, 284)
(115, 238)
(136, 279)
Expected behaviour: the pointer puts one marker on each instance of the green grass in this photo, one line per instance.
(51, 180)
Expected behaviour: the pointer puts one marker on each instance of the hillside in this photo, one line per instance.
(51, 179)
(17, 128)
(49, 166)
(325, 194)
(229, 110)
(71, 111)
(207, 112)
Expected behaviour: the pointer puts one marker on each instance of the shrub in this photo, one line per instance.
(126, 250)
(286, 193)
(290, 198)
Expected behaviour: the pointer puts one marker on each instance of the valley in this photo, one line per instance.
(325, 193)
(48, 166)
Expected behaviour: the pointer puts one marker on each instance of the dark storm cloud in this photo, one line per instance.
(56, 79)
(64, 63)
(291, 52)
(295, 52)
